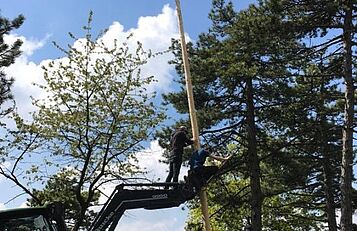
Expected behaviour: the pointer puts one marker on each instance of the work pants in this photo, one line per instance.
(174, 170)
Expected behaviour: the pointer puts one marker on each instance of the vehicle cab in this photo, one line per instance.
(46, 218)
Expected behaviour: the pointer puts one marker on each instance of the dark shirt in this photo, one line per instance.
(178, 141)
(198, 158)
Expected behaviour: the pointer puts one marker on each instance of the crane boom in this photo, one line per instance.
(147, 196)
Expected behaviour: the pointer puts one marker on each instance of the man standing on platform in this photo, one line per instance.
(178, 141)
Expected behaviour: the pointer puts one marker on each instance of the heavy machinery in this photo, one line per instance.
(147, 196)
(124, 197)
(46, 218)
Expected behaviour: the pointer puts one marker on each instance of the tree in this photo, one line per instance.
(62, 187)
(249, 72)
(320, 19)
(93, 121)
(8, 54)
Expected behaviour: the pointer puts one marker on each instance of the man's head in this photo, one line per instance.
(183, 128)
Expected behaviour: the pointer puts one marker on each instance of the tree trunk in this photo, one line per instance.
(80, 219)
(328, 175)
(330, 208)
(347, 133)
(328, 189)
(253, 162)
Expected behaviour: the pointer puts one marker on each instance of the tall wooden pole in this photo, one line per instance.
(192, 110)
(186, 65)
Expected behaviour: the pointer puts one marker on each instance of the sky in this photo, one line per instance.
(153, 22)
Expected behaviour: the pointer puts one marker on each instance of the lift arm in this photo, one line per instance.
(133, 196)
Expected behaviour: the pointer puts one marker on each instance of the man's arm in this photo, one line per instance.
(219, 157)
(190, 141)
(186, 139)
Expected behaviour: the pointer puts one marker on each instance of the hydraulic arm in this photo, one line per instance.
(148, 196)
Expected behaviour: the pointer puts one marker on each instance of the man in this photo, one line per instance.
(178, 141)
(200, 172)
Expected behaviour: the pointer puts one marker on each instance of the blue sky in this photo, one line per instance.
(56, 18)
(153, 22)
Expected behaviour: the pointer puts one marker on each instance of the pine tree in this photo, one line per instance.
(321, 18)
(8, 54)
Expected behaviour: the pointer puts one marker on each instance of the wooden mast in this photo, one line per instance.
(192, 110)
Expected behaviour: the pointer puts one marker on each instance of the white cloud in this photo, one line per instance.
(28, 46)
(26, 73)
(154, 32)
(149, 160)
